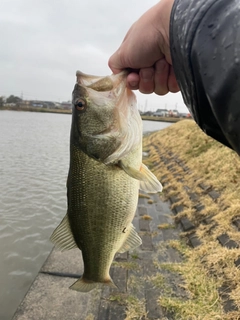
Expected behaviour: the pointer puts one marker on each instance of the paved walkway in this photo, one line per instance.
(138, 275)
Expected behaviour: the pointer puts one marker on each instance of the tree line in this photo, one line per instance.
(10, 99)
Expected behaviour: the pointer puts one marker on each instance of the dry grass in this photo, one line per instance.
(166, 226)
(146, 217)
(210, 265)
(141, 195)
(135, 308)
(202, 289)
(150, 201)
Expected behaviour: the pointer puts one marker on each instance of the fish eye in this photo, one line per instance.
(80, 104)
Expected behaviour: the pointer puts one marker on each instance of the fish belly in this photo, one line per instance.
(102, 201)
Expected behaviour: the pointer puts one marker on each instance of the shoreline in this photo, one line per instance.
(61, 111)
(161, 119)
(35, 109)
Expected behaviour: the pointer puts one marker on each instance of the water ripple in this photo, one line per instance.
(34, 162)
(34, 159)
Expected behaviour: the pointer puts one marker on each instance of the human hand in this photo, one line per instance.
(145, 52)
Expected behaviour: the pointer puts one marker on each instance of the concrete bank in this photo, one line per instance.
(138, 275)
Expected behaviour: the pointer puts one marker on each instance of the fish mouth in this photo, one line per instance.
(101, 84)
(100, 89)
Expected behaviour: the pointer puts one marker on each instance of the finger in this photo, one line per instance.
(172, 81)
(146, 83)
(133, 81)
(161, 77)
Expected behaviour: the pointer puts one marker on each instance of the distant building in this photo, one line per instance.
(173, 113)
(147, 113)
(37, 104)
(185, 115)
(42, 104)
(66, 105)
(162, 110)
(161, 113)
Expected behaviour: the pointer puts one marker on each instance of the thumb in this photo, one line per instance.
(115, 63)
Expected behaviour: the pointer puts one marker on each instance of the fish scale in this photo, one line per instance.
(99, 211)
(105, 174)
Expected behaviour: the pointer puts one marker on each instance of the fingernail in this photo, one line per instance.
(133, 83)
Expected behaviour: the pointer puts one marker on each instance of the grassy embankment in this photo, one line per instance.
(209, 268)
(161, 119)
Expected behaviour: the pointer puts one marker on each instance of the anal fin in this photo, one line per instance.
(132, 240)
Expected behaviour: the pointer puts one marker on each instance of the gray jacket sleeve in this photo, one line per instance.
(205, 49)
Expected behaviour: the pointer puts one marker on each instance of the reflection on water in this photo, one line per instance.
(34, 152)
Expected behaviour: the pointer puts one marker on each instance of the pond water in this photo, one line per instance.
(34, 158)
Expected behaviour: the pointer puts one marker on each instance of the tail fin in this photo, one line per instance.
(84, 285)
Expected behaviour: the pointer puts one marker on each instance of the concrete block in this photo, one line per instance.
(187, 225)
(214, 194)
(179, 209)
(64, 262)
(194, 241)
(147, 242)
(199, 207)
(237, 223)
(50, 298)
(144, 225)
(227, 242)
(142, 210)
(237, 262)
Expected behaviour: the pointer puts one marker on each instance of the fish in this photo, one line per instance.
(105, 175)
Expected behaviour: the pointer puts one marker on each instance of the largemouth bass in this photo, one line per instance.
(105, 175)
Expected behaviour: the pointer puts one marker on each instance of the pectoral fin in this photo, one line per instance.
(62, 236)
(132, 240)
(148, 182)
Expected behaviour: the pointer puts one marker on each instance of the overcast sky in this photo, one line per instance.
(44, 42)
